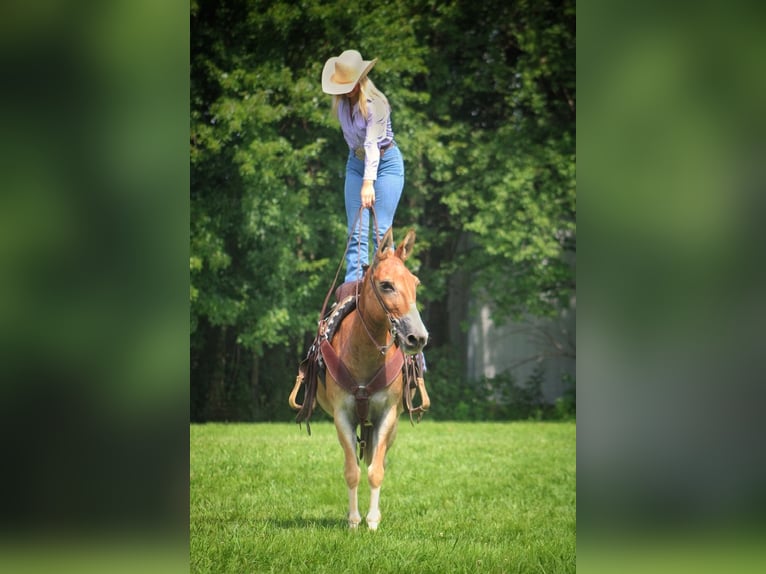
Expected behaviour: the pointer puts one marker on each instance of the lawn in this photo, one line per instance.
(457, 497)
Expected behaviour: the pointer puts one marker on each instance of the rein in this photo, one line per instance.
(340, 266)
(357, 219)
(382, 349)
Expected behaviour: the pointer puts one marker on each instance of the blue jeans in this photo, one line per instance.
(388, 190)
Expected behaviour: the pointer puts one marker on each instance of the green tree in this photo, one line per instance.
(505, 90)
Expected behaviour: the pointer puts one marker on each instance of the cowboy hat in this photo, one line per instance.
(341, 73)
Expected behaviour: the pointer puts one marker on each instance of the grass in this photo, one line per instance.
(457, 497)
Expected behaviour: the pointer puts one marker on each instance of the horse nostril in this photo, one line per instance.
(415, 341)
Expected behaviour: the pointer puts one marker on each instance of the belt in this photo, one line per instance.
(359, 152)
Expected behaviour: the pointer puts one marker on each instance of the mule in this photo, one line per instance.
(366, 384)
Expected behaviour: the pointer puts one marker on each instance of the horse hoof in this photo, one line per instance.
(373, 521)
(353, 521)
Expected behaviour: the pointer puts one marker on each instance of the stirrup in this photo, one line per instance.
(425, 400)
(294, 394)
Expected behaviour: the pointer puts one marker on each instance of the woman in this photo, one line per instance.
(374, 169)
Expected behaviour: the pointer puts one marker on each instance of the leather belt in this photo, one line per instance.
(359, 152)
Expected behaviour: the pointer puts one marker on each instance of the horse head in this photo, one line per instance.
(394, 286)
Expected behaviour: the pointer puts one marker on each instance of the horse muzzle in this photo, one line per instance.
(411, 333)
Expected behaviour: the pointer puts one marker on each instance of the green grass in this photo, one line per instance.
(457, 497)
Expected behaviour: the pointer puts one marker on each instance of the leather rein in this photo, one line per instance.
(383, 349)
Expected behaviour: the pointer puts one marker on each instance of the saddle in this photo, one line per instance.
(321, 357)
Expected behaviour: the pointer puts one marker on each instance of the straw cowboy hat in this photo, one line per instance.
(341, 74)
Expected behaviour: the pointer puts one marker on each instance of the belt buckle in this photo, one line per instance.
(359, 153)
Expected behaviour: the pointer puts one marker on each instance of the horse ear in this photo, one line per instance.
(387, 242)
(405, 247)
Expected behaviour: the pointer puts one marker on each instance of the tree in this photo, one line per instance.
(507, 92)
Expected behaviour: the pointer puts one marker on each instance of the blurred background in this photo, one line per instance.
(94, 219)
(671, 173)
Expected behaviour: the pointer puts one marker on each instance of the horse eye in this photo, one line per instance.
(387, 286)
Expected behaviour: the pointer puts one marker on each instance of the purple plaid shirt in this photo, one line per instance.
(370, 133)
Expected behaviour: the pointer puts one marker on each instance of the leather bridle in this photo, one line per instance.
(392, 321)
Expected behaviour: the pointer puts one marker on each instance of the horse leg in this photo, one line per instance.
(347, 438)
(384, 438)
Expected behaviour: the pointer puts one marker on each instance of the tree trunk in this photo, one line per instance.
(216, 403)
(255, 375)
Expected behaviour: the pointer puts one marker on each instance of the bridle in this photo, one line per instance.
(392, 321)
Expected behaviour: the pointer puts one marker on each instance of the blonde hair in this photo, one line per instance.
(367, 90)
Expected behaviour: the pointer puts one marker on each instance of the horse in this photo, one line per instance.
(367, 358)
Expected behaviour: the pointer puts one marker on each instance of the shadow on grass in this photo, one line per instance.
(309, 523)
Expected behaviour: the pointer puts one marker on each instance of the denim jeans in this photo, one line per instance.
(388, 190)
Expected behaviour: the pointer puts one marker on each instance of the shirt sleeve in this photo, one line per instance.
(377, 116)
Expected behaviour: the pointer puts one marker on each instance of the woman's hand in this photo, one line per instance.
(368, 193)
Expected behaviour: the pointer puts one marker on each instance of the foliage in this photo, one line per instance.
(498, 398)
(566, 404)
(484, 100)
(507, 91)
(457, 497)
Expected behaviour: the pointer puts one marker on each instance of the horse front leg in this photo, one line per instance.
(384, 438)
(347, 437)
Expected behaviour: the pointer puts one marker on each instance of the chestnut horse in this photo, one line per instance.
(364, 385)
